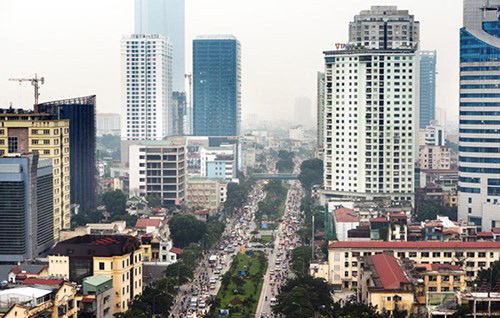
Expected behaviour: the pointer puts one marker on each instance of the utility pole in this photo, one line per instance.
(36, 82)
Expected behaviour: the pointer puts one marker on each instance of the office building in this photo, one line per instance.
(303, 112)
(219, 162)
(384, 27)
(24, 131)
(371, 134)
(81, 113)
(166, 18)
(180, 112)
(320, 111)
(26, 207)
(204, 193)
(216, 86)
(117, 256)
(108, 124)
(161, 170)
(428, 61)
(479, 141)
(146, 63)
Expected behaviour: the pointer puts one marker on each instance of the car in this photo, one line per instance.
(202, 304)
(217, 272)
(219, 268)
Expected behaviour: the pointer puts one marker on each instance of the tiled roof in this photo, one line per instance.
(398, 216)
(389, 271)
(416, 245)
(485, 234)
(142, 223)
(39, 281)
(496, 230)
(176, 250)
(346, 215)
(379, 220)
(33, 269)
(437, 267)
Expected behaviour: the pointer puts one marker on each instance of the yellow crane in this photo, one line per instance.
(36, 82)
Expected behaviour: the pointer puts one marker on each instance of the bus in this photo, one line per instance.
(212, 261)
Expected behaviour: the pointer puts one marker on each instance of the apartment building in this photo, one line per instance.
(25, 131)
(204, 193)
(434, 157)
(117, 256)
(97, 297)
(341, 270)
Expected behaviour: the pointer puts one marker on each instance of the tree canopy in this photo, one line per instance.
(311, 173)
(115, 202)
(186, 229)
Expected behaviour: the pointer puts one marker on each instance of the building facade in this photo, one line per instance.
(216, 86)
(320, 108)
(81, 113)
(479, 140)
(165, 17)
(26, 207)
(98, 295)
(428, 60)
(146, 64)
(108, 124)
(204, 193)
(219, 162)
(161, 170)
(433, 134)
(22, 131)
(434, 157)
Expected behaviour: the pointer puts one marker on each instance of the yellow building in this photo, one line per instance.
(21, 131)
(117, 256)
(442, 278)
(31, 302)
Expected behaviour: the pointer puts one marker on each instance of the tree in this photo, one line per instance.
(490, 277)
(311, 173)
(179, 272)
(301, 258)
(186, 229)
(115, 202)
(154, 200)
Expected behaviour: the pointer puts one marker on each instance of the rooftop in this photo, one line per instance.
(31, 292)
(96, 280)
(216, 37)
(96, 245)
(389, 272)
(35, 269)
(440, 267)
(416, 245)
(143, 223)
(346, 215)
(39, 281)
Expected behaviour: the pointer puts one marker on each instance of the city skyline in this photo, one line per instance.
(263, 91)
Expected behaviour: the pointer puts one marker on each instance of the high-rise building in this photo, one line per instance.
(81, 113)
(26, 207)
(303, 112)
(146, 87)
(216, 86)
(159, 169)
(479, 141)
(371, 112)
(434, 134)
(320, 125)
(384, 27)
(428, 61)
(108, 124)
(43, 134)
(179, 108)
(165, 17)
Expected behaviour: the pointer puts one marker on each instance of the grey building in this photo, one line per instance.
(384, 27)
(99, 297)
(428, 61)
(26, 207)
(320, 124)
(165, 17)
(303, 112)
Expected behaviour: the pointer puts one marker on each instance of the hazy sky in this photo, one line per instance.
(75, 44)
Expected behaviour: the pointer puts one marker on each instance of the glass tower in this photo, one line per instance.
(479, 141)
(427, 88)
(216, 86)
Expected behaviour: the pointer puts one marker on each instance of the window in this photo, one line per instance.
(471, 254)
(413, 254)
(424, 254)
(445, 278)
(433, 278)
(436, 254)
(481, 254)
(12, 144)
(101, 266)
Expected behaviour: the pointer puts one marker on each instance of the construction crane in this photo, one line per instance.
(36, 82)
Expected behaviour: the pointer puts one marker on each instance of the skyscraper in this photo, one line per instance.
(216, 86)
(303, 112)
(427, 88)
(146, 87)
(371, 107)
(26, 207)
(81, 113)
(165, 17)
(320, 125)
(479, 142)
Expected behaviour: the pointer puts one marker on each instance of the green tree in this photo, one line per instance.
(311, 173)
(154, 200)
(179, 272)
(115, 202)
(301, 259)
(490, 277)
(186, 229)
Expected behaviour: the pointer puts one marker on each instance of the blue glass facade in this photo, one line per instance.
(427, 88)
(216, 87)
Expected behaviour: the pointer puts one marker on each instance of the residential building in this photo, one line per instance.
(479, 141)
(303, 112)
(384, 27)
(344, 219)
(471, 256)
(108, 124)
(161, 170)
(80, 112)
(428, 73)
(320, 111)
(98, 295)
(24, 131)
(433, 134)
(26, 207)
(384, 284)
(370, 145)
(296, 133)
(146, 72)
(219, 162)
(216, 86)
(442, 278)
(40, 301)
(167, 18)
(434, 157)
(204, 193)
(116, 256)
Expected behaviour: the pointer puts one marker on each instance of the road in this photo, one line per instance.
(278, 270)
(237, 234)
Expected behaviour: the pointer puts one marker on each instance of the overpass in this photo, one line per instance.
(275, 176)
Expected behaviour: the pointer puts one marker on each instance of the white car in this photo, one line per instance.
(202, 304)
